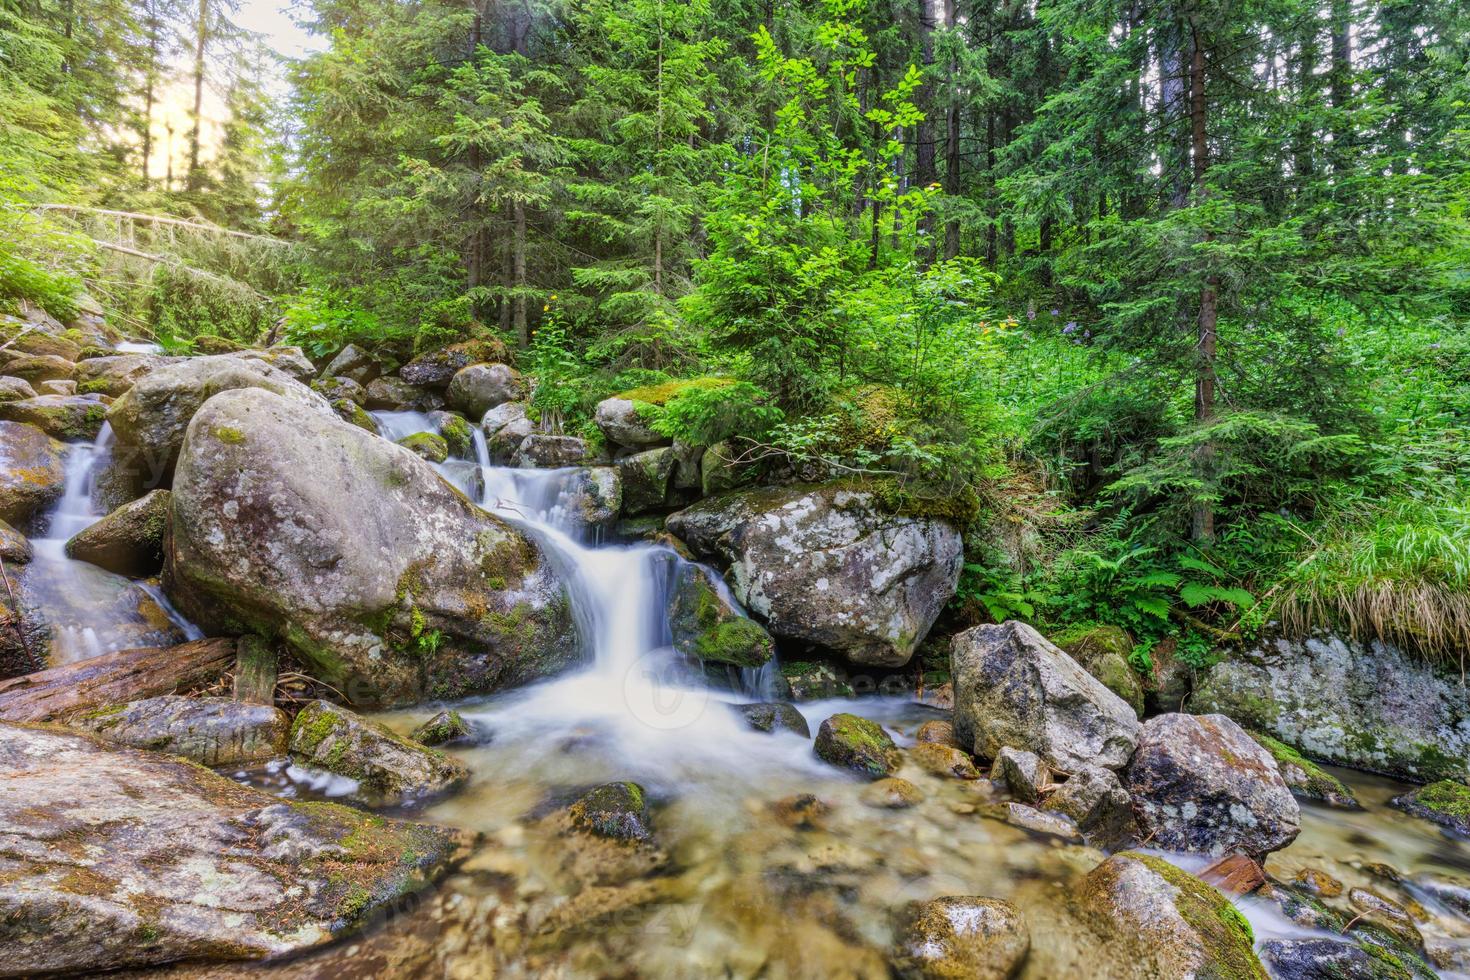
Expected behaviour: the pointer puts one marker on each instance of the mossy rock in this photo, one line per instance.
(456, 432)
(615, 810)
(1446, 803)
(212, 344)
(443, 728)
(659, 395)
(858, 745)
(352, 413)
(891, 793)
(1103, 652)
(807, 680)
(70, 418)
(708, 627)
(773, 716)
(1307, 780)
(426, 445)
(390, 769)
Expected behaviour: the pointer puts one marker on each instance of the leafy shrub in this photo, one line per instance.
(322, 321)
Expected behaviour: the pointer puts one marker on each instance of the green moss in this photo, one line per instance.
(427, 445)
(617, 810)
(1320, 784)
(229, 434)
(1445, 797)
(857, 744)
(660, 395)
(1225, 934)
(457, 434)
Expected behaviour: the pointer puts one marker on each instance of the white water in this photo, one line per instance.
(90, 610)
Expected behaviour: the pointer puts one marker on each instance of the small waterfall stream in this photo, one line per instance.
(90, 610)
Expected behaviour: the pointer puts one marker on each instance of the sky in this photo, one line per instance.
(276, 21)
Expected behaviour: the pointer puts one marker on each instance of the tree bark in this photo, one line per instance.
(925, 171)
(952, 135)
(1206, 337)
(1340, 84)
(518, 260)
(193, 181)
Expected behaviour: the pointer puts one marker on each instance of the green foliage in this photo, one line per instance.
(322, 321)
(702, 415)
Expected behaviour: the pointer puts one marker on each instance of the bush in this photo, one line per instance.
(322, 321)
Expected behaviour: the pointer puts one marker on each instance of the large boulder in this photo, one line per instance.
(395, 394)
(387, 768)
(382, 577)
(622, 421)
(354, 364)
(150, 419)
(1200, 783)
(830, 565)
(36, 368)
(1014, 688)
(32, 472)
(541, 451)
(478, 388)
(70, 418)
(128, 541)
(1362, 705)
(211, 731)
(646, 480)
(506, 427)
(1164, 922)
(116, 373)
(115, 858)
(437, 368)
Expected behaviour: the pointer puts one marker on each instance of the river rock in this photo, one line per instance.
(1095, 800)
(961, 936)
(333, 388)
(943, 761)
(438, 368)
(478, 388)
(857, 744)
(15, 389)
(14, 547)
(389, 769)
(1362, 705)
(426, 445)
(58, 387)
(70, 418)
(1037, 823)
(455, 430)
(615, 810)
(541, 451)
(647, 478)
(445, 727)
(32, 472)
(1201, 784)
(354, 414)
(1165, 921)
(938, 732)
(1014, 688)
(115, 374)
(828, 565)
(150, 419)
(20, 343)
(117, 858)
(621, 421)
(1446, 803)
(595, 496)
(774, 716)
(397, 395)
(718, 471)
(1103, 653)
(506, 427)
(1324, 959)
(1308, 781)
(36, 368)
(212, 731)
(1022, 773)
(382, 577)
(354, 364)
(291, 361)
(805, 680)
(891, 793)
(128, 541)
(708, 626)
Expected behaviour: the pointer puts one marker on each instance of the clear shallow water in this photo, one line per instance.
(92, 611)
(745, 887)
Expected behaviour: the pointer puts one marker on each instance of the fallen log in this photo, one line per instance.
(115, 678)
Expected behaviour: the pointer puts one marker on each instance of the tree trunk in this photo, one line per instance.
(952, 136)
(925, 171)
(1206, 339)
(1340, 85)
(1172, 112)
(522, 326)
(194, 181)
(150, 75)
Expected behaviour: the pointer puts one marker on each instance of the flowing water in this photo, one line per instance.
(748, 881)
(90, 610)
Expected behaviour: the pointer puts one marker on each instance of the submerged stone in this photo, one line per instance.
(892, 793)
(443, 728)
(959, 937)
(942, 760)
(615, 810)
(390, 770)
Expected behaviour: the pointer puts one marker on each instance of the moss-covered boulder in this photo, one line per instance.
(19, 343)
(32, 472)
(833, 566)
(354, 414)
(354, 364)
(426, 445)
(15, 389)
(128, 541)
(1200, 784)
(1166, 921)
(1103, 652)
(397, 395)
(36, 368)
(333, 388)
(647, 480)
(437, 369)
(541, 451)
(389, 769)
(456, 432)
(628, 423)
(707, 625)
(961, 938)
(1308, 781)
(813, 680)
(944, 761)
(1446, 803)
(119, 858)
(114, 374)
(774, 716)
(211, 731)
(615, 810)
(70, 418)
(857, 745)
(445, 727)
(390, 584)
(477, 388)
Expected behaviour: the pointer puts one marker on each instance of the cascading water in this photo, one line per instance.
(90, 610)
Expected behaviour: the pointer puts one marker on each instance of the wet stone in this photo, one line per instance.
(858, 745)
(942, 760)
(961, 936)
(774, 716)
(443, 728)
(615, 810)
